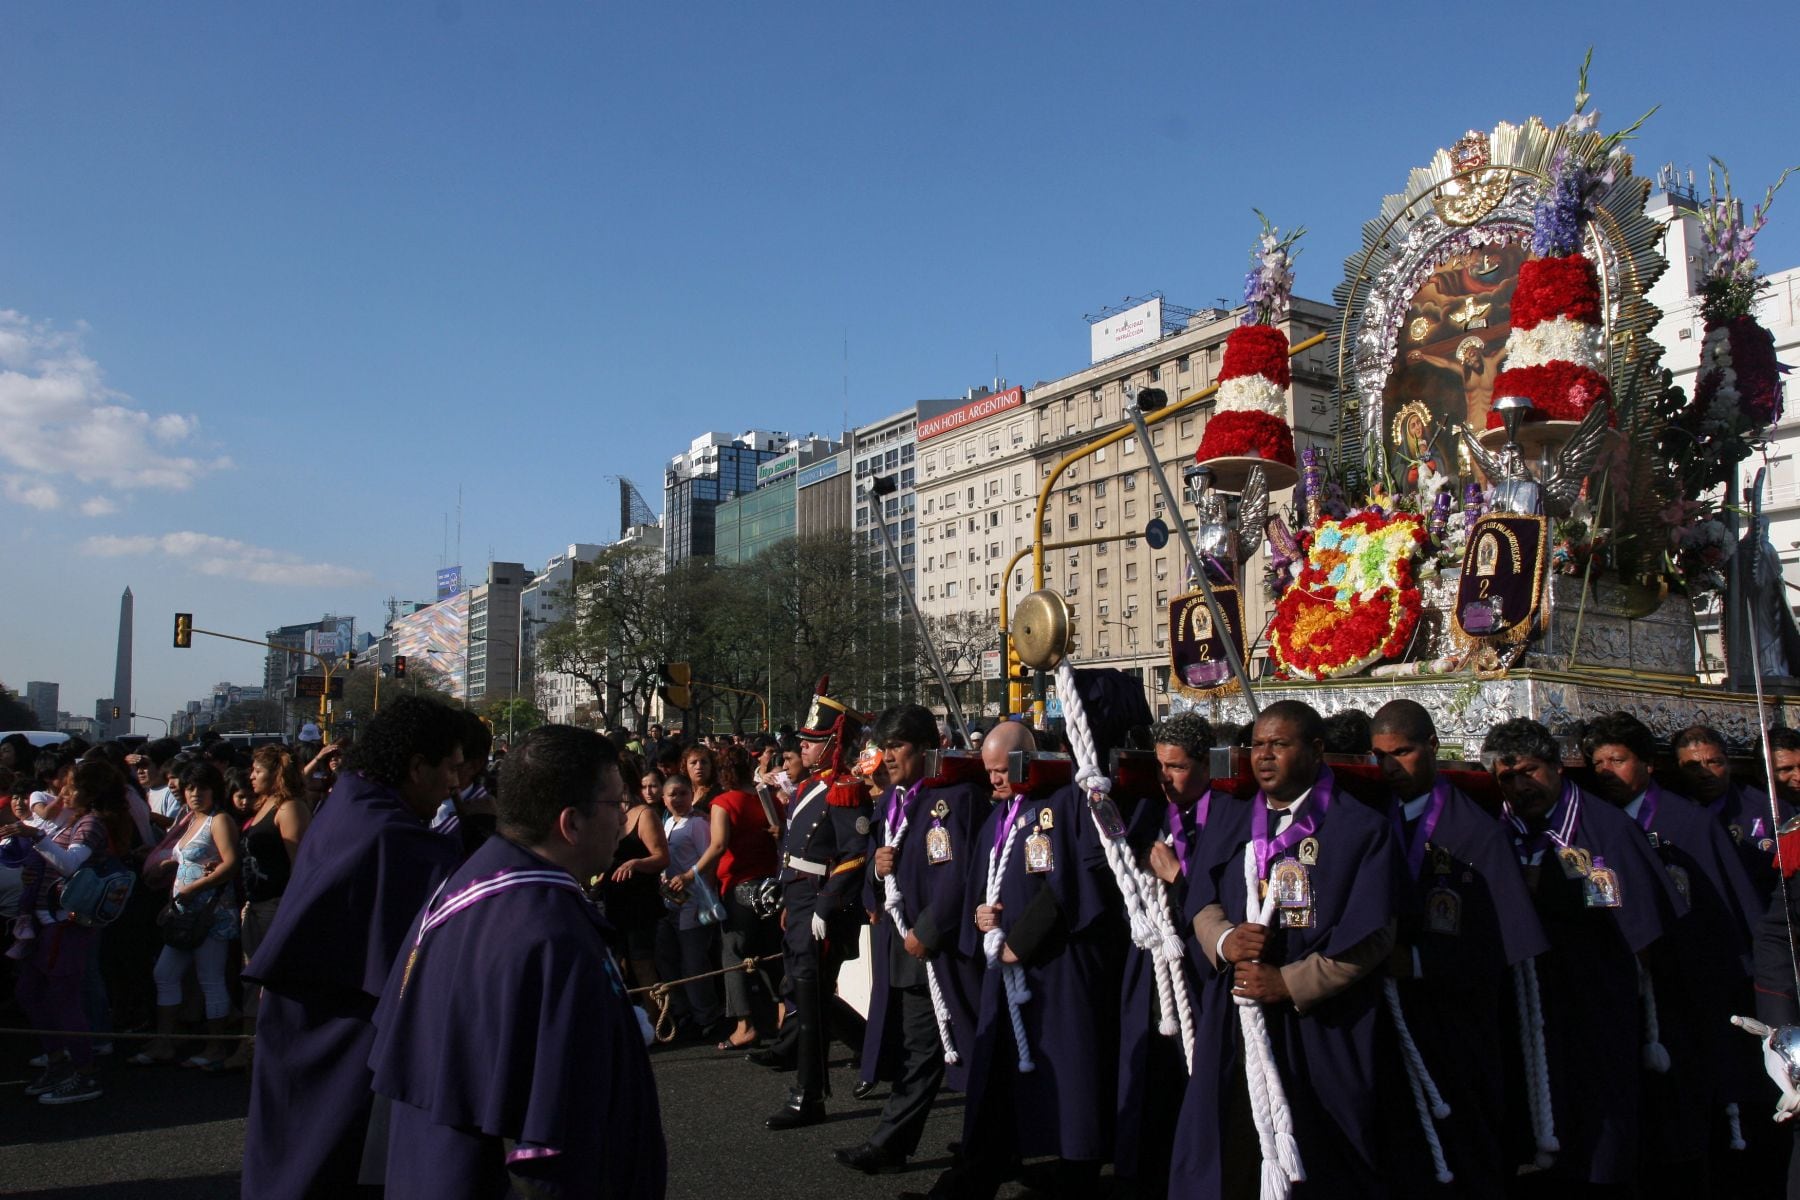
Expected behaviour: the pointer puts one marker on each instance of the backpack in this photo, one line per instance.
(95, 895)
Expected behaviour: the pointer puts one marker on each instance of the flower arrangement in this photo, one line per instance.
(1356, 600)
(1553, 353)
(1738, 392)
(1251, 421)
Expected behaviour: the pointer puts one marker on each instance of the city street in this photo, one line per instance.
(171, 1133)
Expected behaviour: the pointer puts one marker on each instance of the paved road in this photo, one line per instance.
(162, 1132)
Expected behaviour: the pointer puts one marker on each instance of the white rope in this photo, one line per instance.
(1425, 1094)
(1146, 897)
(938, 1008)
(1736, 1127)
(1012, 975)
(1281, 1166)
(1656, 1055)
(1537, 1064)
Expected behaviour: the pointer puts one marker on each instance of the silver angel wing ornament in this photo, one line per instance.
(1253, 513)
(1562, 486)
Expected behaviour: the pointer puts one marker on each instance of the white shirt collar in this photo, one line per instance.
(1284, 815)
(1631, 810)
(1412, 810)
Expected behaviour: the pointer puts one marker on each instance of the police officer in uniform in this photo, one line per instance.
(823, 858)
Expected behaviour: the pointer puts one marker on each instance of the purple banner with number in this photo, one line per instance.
(1502, 581)
(1197, 656)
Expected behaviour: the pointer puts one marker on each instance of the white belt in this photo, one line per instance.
(806, 866)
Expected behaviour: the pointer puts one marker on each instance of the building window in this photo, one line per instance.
(1162, 599)
(1100, 581)
(1131, 445)
(1131, 572)
(908, 478)
(1099, 488)
(1156, 436)
(950, 590)
(971, 495)
(1186, 428)
(1155, 374)
(1099, 518)
(906, 452)
(1018, 483)
(1162, 568)
(1100, 550)
(1074, 520)
(993, 443)
(993, 519)
(971, 524)
(1130, 509)
(1181, 364)
(1131, 483)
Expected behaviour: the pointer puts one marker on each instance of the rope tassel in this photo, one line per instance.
(1656, 1055)
(1426, 1097)
(1146, 897)
(1281, 1166)
(1012, 976)
(1537, 1066)
(939, 1009)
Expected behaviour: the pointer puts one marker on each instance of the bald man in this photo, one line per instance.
(1053, 913)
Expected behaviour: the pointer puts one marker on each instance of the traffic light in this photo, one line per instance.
(115, 712)
(184, 630)
(399, 666)
(1017, 679)
(675, 692)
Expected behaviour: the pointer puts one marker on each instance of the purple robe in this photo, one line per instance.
(1152, 1067)
(1066, 928)
(365, 868)
(1328, 1058)
(1744, 813)
(1588, 981)
(931, 898)
(1467, 915)
(511, 1043)
(1702, 974)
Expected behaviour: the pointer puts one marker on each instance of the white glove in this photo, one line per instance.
(818, 928)
(1776, 1066)
(644, 1025)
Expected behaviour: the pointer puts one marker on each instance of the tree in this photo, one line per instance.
(623, 620)
(422, 679)
(961, 639)
(513, 718)
(261, 716)
(828, 615)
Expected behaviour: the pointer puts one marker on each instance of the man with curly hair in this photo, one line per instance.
(367, 865)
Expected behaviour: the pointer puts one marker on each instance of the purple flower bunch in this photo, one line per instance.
(1580, 170)
(1269, 284)
(1728, 246)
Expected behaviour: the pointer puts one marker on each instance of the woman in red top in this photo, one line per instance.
(743, 849)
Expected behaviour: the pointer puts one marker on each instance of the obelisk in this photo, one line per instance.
(122, 670)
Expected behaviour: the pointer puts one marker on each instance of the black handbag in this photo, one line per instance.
(187, 928)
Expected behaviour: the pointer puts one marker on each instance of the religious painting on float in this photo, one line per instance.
(1452, 339)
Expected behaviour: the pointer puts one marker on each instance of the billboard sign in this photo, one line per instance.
(776, 468)
(1136, 326)
(820, 471)
(324, 643)
(449, 582)
(968, 414)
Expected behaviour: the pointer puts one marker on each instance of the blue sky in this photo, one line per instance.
(275, 280)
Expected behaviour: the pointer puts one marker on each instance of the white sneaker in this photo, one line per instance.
(102, 1048)
(39, 1063)
(49, 1079)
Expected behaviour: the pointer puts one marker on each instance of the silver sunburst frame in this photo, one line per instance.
(1479, 195)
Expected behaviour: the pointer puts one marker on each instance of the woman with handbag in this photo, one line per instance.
(742, 851)
(275, 817)
(200, 922)
(687, 940)
(51, 976)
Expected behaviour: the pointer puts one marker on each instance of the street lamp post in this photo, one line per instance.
(148, 717)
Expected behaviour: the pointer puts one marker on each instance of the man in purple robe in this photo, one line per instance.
(1603, 899)
(921, 1004)
(1466, 920)
(1742, 808)
(1042, 1067)
(513, 1056)
(1701, 973)
(1153, 1072)
(1332, 867)
(367, 865)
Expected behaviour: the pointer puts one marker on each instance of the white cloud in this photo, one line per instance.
(31, 492)
(228, 558)
(98, 506)
(60, 423)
